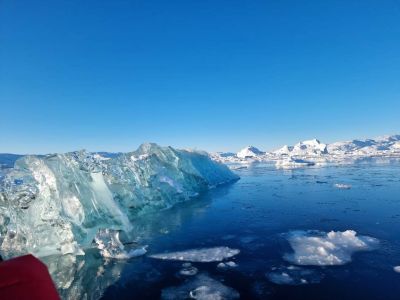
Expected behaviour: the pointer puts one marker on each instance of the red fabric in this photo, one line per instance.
(26, 277)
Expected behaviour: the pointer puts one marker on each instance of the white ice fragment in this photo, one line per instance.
(199, 255)
(343, 186)
(188, 270)
(397, 269)
(292, 163)
(326, 249)
(293, 275)
(227, 265)
(201, 287)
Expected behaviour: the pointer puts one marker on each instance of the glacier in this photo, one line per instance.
(62, 203)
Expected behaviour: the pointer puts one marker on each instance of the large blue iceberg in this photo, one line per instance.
(57, 204)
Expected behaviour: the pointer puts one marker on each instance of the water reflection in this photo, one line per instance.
(88, 276)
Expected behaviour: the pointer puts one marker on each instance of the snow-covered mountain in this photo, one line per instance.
(314, 151)
(309, 147)
(249, 151)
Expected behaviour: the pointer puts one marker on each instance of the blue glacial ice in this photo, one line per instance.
(58, 204)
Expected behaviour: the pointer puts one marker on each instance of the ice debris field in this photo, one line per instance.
(165, 223)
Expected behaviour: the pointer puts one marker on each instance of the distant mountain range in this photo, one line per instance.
(311, 151)
(303, 153)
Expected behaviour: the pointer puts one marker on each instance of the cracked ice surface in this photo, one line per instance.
(199, 255)
(326, 249)
(57, 203)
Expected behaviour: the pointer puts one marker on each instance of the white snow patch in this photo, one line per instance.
(326, 249)
(199, 255)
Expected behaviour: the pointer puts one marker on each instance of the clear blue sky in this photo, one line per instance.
(211, 74)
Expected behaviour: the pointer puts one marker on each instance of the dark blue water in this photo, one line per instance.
(252, 214)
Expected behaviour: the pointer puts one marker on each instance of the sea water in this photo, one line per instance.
(242, 233)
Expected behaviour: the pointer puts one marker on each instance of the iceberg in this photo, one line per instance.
(57, 204)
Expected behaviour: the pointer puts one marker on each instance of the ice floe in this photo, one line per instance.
(199, 255)
(227, 265)
(188, 270)
(201, 287)
(343, 186)
(396, 269)
(326, 249)
(293, 275)
(291, 163)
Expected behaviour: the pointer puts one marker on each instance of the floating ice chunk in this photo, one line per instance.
(343, 186)
(326, 249)
(291, 163)
(201, 287)
(293, 275)
(227, 265)
(111, 247)
(188, 270)
(397, 269)
(199, 255)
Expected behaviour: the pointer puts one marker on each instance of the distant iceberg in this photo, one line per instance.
(317, 153)
(58, 203)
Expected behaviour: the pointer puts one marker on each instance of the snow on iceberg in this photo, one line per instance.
(199, 255)
(326, 249)
(58, 203)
